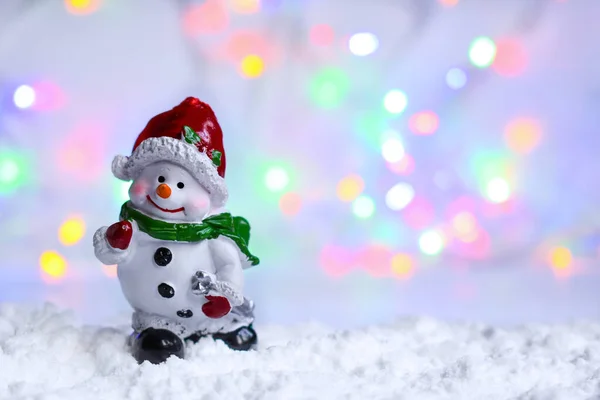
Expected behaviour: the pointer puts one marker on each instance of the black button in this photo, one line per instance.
(166, 290)
(185, 313)
(163, 256)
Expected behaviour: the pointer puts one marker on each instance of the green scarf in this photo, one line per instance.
(224, 224)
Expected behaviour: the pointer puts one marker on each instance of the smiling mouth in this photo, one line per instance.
(163, 209)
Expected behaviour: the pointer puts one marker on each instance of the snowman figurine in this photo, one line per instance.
(180, 256)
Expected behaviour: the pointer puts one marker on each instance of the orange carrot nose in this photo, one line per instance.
(163, 190)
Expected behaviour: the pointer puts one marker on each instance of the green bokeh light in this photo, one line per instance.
(273, 178)
(370, 126)
(329, 87)
(363, 207)
(277, 179)
(482, 52)
(490, 167)
(395, 101)
(15, 171)
(121, 191)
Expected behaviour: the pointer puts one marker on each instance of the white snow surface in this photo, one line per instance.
(46, 354)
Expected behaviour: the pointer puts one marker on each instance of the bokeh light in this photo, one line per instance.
(464, 225)
(245, 6)
(456, 78)
(363, 44)
(48, 96)
(448, 3)
(402, 266)
(350, 187)
(473, 246)
(560, 258)
(489, 165)
(375, 259)
(210, 16)
(290, 203)
(82, 7)
(392, 150)
(252, 66)
(363, 207)
(511, 58)
(522, 135)
(482, 52)
(395, 101)
(419, 213)
(71, 231)
(336, 261)
(81, 153)
(329, 87)
(404, 167)
(431, 242)
(121, 191)
(110, 270)
(322, 35)
(399, 196)
(241, 43)
(24, 96)
(424, 123)
(53, 266)
(14, 171)
(277, 179)
(498, 190)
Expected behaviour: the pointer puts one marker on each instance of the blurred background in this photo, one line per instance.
(394, 157)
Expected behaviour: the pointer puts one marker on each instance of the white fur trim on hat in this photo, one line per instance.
(178, 152)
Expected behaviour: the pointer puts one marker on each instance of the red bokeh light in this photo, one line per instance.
(336, 261)
(290, 203)
(511, 58)
(322, 35)
(419, 214)
(208, 17)
(375, 259)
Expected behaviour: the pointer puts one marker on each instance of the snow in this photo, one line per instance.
(46, 354)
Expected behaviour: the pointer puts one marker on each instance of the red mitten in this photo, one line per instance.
(119, 235)
(216, 307)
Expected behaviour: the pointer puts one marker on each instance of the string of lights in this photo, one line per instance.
(418, 198)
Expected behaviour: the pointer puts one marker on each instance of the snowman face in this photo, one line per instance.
(169, 192)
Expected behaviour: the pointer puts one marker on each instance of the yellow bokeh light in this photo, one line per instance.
(350, 187)
(110, 270)
(522, 135)
(53, 264)
(71, 231)
(561, 258)
(465, 226)
(402, 266)
(245, 6)
(82, 7)
(252, 66)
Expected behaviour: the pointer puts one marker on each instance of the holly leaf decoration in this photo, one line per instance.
(216, 158)
(190, 136)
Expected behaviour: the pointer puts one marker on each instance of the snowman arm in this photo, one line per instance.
(107, 254)
(229, 269)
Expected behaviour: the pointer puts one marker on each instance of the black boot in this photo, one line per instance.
(195, 337)
(156, 345)
(241, 339)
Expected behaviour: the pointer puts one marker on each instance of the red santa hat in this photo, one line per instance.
(189, 135)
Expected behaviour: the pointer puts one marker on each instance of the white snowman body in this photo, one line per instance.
(156, 275)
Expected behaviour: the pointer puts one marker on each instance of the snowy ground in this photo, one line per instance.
(44, 354)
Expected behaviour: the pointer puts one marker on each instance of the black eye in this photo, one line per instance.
(161, 179)
(180, 185)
